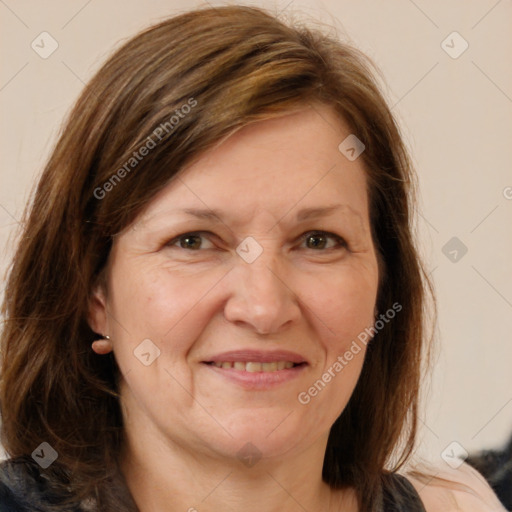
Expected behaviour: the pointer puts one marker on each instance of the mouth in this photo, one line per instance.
(257, 370)
(256, 366)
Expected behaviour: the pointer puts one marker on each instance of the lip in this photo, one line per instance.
(261, 381)
(258, 380)
(257, 356)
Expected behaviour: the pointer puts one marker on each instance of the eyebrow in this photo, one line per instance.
(304, 214)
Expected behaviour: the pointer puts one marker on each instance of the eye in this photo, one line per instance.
(317, 240)
(190, 241)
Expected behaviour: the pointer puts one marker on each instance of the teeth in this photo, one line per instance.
(254, 366)
(269, 367)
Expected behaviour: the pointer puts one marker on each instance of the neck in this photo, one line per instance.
(167, 476)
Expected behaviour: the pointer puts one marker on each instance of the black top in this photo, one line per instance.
(22, 489)
(400, 495)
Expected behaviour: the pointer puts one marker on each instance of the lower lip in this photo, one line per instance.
(258, 380)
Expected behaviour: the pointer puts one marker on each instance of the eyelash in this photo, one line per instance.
(342, 244)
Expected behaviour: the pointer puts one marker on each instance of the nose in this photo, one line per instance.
(262, 296)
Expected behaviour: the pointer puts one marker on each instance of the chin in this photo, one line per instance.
(251, 438)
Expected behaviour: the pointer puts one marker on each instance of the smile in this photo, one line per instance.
(254, 366)
(256, 375)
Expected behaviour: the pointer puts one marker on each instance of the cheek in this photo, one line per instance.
(343, 315)
(343, 302)
(148, 301)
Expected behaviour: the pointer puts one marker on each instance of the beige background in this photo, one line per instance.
(455, 112)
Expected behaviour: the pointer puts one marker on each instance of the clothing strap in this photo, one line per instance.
(399, 495)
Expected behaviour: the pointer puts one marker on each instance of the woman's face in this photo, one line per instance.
(189, 295)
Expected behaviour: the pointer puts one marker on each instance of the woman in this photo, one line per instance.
(216, 303)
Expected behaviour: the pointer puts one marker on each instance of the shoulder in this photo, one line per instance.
(443, 489)
(12, 484)
(24, 487)
(8, 502)
(496, 466)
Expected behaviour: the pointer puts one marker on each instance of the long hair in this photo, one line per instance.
(186, 84)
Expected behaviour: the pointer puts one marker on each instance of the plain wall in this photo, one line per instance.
(456, 114)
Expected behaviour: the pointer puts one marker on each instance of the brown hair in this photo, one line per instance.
(232, 66)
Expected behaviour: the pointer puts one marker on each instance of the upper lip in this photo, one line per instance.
(257, 356)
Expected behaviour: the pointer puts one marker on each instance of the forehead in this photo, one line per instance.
(282, 165)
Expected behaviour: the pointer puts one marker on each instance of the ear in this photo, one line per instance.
(97, 313)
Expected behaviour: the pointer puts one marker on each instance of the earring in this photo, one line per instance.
(103, 346)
